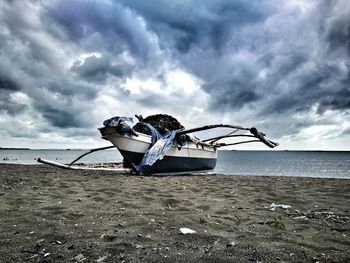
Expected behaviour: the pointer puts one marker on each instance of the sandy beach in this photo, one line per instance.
(55, 215)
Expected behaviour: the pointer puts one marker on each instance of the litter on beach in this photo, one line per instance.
(273, 206)
(186, 231)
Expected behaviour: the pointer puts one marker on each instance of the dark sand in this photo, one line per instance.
(53, 215)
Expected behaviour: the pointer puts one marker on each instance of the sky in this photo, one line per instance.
(280, 66)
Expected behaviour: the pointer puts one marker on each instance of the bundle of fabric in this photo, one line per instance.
(122, 124)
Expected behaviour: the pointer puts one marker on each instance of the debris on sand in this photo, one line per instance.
(273, 206)
(80, 258)
(101, 259)
(108, 237)
(186, 231)
(231, 244)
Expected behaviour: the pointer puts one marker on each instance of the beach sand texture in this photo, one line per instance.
(54, 215)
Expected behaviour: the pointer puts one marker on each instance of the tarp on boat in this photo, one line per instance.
(122, 124)
(161, 127)
(160, 145)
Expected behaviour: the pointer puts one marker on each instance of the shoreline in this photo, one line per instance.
(204, 173)
(56, 215)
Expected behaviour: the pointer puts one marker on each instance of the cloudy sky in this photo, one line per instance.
(282, 66)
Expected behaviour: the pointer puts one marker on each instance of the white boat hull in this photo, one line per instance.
(189, 157)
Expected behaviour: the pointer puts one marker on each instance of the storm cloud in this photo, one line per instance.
(66, 65)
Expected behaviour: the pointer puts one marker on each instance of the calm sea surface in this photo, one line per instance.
(276, 163)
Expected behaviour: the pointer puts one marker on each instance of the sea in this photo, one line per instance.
(324, 164)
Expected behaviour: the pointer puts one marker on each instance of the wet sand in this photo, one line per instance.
(55, 215)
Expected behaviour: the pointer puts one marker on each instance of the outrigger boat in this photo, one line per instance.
(160, 144)
(184, 154)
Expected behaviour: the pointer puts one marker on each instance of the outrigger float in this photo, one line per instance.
(159, 144)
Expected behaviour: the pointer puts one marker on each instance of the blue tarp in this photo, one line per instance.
(122, 124)
(115, 121)
(150, 130)
(159, 146)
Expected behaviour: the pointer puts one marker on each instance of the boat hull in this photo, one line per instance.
(188, 158)
(171, 163)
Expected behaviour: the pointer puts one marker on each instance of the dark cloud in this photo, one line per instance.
(31, 64)
(113, 23)
(97, 69)
(324, 86)
(187, 25)
(6, 84)
(62, 118)
(256, 59)
(337, 26)
(207, 35)
(338, 100)
(231, 96)
(219, 31)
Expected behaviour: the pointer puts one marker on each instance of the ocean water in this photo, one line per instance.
(275, 163)
(285, 163)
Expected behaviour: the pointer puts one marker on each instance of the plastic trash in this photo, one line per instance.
(186, 231)
(273, 206)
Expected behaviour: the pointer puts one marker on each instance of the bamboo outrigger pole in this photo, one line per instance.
(255, 133)
(64, 166)
(91, 151)
(208, 127)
